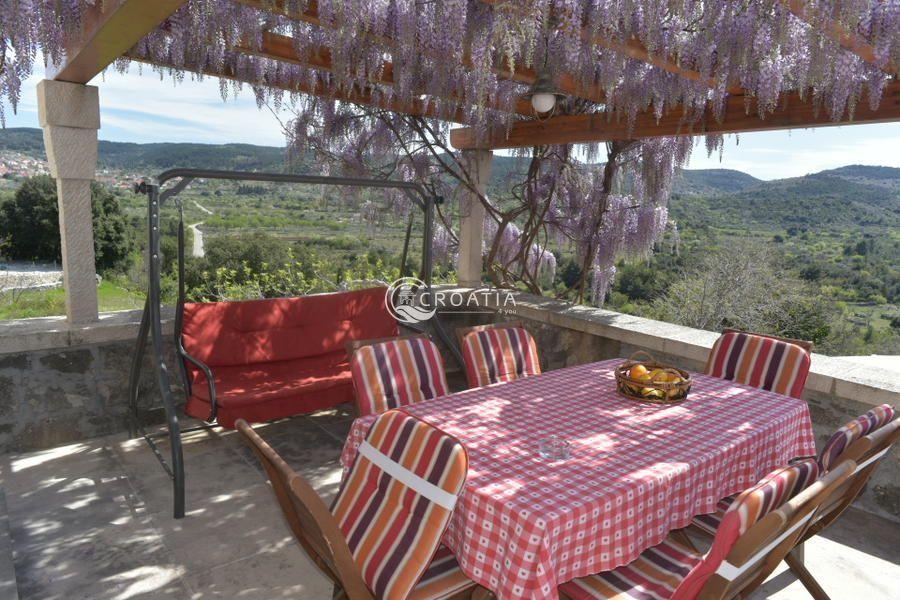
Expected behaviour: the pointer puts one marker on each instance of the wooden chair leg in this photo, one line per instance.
(481, 593)
(799, 553)
(809, 582)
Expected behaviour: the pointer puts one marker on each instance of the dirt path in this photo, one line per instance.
(197, 249)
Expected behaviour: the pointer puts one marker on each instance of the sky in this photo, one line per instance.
(139, 106)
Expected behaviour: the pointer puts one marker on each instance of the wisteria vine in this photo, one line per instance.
(451, 58)
(461, 61)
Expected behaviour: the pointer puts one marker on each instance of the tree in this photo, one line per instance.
(30, 223)
(742, 286)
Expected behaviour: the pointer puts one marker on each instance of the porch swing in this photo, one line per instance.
(266, 359)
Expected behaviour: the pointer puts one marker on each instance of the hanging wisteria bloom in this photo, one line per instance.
(374, 86)
(452, 58)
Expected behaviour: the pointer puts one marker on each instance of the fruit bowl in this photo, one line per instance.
(650, 381)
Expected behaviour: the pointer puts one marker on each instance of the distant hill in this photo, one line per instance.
(26, 140)
(131, 156)
(886, 177)
(707, 181)
(850, 196)
(843, 198)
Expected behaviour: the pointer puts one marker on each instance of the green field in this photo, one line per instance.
(52, 302)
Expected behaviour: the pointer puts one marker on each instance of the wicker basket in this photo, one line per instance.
(662, 392)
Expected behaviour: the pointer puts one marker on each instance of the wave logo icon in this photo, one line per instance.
(402, 302)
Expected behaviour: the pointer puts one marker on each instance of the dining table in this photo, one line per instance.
(635, 471)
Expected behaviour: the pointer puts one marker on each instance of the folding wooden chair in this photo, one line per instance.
(498, 352)
(403, 462)
(761, 527)
(865, 454)
(834, 451)
(395, 372)
(763, 361)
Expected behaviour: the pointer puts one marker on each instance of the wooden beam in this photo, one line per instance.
(633, 48)
(278, 47)
(836, 32)
(110, 28)
(362, 97)
(792, 113)
(519, 73)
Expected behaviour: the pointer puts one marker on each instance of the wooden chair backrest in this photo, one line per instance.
(866, 453)
(806, 345)
(309, 519)
(462, 332)
(757, 553)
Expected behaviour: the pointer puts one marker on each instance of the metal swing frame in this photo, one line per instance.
(151, 320)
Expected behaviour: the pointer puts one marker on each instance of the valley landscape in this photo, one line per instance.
(834, 235)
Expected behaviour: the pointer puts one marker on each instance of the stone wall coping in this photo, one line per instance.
(46, 333)
(829, 375)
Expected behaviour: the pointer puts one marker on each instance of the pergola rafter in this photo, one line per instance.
(518, 73)
(109, 29)
(274, 46)
(834, 31)
(361, 96)
(794, 112)
(633, 48)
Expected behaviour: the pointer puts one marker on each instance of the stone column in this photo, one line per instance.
(69, 114)
(472, 212)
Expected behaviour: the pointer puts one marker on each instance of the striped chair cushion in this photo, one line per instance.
(397, 498)
(710, 522)
(748, 507)
(673, 571)
(760, 361)
(397, 373)
(442, 579)
(496, 354)
(654, 575)
(875, 419)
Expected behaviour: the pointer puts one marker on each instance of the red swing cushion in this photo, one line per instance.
(278, 357)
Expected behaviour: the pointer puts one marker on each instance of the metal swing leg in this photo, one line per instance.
(151, 325)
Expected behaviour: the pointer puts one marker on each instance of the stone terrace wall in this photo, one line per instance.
(59, 385)
(567, 334)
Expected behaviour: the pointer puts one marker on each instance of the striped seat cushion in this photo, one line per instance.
(761, 362)
(673, 571)
(654, 575)
(397, 373)
(496, 354)
(442, 579)
(397, 498)
(747, 509)
(710, 522)
(875, 419)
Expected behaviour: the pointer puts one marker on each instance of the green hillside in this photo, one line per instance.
(816, 201)
(848, 197)
(131, 156)
(710, 181)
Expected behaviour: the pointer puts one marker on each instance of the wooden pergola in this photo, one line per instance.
(111, 29)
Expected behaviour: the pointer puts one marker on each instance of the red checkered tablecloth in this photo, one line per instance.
(525, 524)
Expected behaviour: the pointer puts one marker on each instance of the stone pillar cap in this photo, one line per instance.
(64, 104)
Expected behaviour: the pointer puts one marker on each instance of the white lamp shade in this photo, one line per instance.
(543, 102)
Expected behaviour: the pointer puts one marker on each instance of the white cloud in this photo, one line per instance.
(138, 106)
